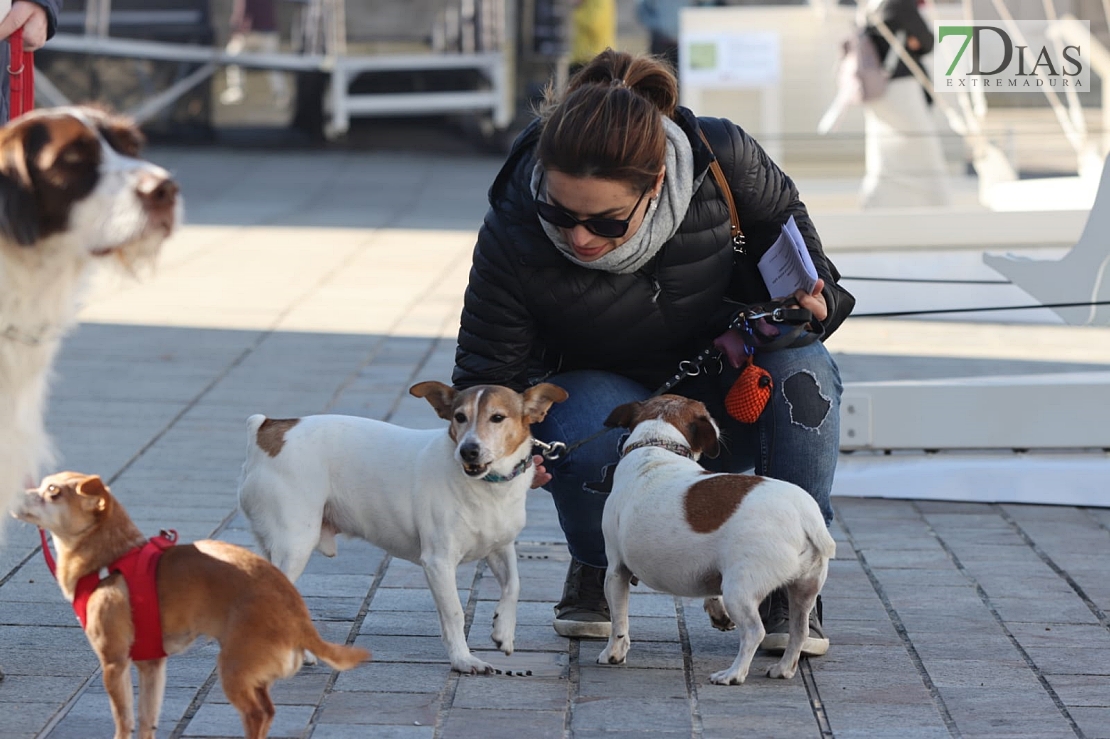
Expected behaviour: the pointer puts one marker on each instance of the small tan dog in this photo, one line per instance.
(207, 588)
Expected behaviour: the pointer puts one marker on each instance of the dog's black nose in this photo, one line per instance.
(469, 451)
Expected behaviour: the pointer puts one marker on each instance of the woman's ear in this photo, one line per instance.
(658, 188)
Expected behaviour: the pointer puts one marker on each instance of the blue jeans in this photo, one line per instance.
(796, 439)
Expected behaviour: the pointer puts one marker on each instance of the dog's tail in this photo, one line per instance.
(338, 656)
(818, 534)
(254, 423)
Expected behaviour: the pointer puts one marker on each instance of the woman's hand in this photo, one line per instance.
(29, 16)
(540, 476)
(731, 344)
(813, 302)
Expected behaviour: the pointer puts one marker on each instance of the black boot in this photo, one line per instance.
(583, 612)
(775, 614)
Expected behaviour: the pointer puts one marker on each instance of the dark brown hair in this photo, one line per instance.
(609, 121)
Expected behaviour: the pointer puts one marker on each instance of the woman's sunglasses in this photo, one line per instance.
(606, 228)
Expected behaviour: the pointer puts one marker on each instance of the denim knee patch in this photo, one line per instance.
(809, 407)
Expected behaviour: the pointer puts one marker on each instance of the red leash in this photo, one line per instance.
(47, 554)
(21, 72)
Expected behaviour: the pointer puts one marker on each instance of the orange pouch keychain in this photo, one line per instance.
(748, 396)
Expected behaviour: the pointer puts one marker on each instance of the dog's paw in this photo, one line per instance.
(605, 658)
(503, 634)
(471, 665)
(505, 645)
(310, 658)
(727, 677)
(718, 616)
(615, 652)
(779, 671)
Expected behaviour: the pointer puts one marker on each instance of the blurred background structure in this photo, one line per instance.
(483, 63)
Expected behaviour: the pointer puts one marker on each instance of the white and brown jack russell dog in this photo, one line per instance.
(436, 497)
(686, 531)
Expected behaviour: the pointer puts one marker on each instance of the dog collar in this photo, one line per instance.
(671, 446)
(514, 472)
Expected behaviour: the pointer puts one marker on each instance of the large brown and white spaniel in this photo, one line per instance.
(73, 193)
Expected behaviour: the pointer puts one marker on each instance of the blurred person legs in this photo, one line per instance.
(593, 29)
(905, 164)
(254, 28)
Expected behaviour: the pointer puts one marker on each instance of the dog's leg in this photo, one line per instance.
(743, 605)
(503, 564)
(718, 614)
(441, 580)
(291, 557)
(617, 584)
(803, 596)
(152, 688)
(117, 682)
(240, 684)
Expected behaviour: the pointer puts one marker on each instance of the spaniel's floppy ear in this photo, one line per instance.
(19, 220)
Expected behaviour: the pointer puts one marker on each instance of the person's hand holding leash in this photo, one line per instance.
(540, 476)
(731, 343)
(29, 16)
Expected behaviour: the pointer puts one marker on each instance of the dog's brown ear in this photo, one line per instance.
(622, 416)
(94, 489)
(441, 397)
(119, 131)
(705, 439)
(538, 400)
(19, 220)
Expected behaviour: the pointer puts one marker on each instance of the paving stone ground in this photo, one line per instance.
(317, 281)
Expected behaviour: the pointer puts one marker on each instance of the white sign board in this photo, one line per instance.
(730, 60)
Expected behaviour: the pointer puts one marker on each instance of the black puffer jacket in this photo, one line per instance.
(529, 311)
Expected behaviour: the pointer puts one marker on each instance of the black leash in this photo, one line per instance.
(686, 368)
(895, 314)
(928, 280)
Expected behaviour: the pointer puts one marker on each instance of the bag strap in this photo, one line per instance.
(735, 231)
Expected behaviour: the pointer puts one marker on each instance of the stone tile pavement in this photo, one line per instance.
(318, 282)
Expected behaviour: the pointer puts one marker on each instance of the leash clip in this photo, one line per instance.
(689, 368)
(554, 450)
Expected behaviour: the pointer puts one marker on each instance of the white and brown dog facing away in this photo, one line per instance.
(73, 194)
(437, 497)
(207, 588)
(729, 538)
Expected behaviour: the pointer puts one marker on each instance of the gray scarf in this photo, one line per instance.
(661, 221)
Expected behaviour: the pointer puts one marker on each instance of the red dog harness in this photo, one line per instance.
(139, 568)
